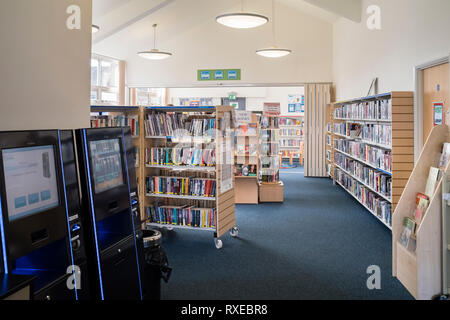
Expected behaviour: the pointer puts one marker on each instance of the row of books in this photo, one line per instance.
(328, 139)
(377, 157)
(269, 149)
(181, 186)
(189, 216)
(288, 153)
(245, 170)
(177, 125)
(269, 136)
(107, 121)
(180, 156)
(377, 133)
(247, 150)
(378, 181)
(351, 130)
(266, 175)
(269, 122)
(368, 110)
(377, 205)
(291, 132)
(290, 143)
(290, 122)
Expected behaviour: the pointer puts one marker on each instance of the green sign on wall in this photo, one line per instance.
(219, 75)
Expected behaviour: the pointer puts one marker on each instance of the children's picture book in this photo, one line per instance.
(422, 202)
(445, 157)
(408, 229)
(431, 182)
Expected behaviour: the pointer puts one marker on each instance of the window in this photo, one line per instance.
(150, 96)
(105, 76)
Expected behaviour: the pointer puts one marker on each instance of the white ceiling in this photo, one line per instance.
(114, 16)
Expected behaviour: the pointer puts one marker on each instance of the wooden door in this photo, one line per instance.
(435, 90)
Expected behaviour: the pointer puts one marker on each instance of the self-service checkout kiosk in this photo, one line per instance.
(111, 213)
(41, 231)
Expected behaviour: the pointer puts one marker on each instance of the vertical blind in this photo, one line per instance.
(317, 96)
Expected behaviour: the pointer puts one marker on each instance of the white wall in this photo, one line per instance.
(413, 32)
(188, 29)
(45, 67)
(256, 96)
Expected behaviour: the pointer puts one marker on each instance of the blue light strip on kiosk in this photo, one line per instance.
(131, 211)
(88, 169)
(5, 260)
(67, 213)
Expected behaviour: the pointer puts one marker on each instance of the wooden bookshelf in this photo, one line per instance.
(246, 187)
(292, 137)
(224, 200)
(420, 271)
(401, 145)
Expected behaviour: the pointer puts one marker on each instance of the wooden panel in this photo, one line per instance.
(398, 134)
(402, 117)
(226, 227)
(407, 269)
(397, 191)
(402, 166)
(402, 110)
(403, 126)
(399, 183)
(225, 205)
(402, 143)
(402, 102)
(402, 174)
(403, 158)
(402, 94)
(224, 197)
(402, 150)
(432, 78)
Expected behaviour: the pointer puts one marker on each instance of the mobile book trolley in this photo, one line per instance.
(188, 171)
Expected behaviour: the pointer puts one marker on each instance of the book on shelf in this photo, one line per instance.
(188, 216)
(368, 110)
(432, 180)
(177, 125)
(445, 157)
(180, 156)
(107, 121)
(422, 202)
(245, 170)
(406, 237)
(181, 186)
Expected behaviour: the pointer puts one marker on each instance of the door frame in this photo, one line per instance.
(418, 102)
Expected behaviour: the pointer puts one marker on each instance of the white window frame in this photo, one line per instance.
(99, 88)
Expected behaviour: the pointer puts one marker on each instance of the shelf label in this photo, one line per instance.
(219, 74)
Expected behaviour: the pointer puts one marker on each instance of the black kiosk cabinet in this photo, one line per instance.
(41, 231)
(111, 212)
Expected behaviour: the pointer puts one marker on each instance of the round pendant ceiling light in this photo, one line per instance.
(95, 28)
(273, 51)
(242, 20)
(154, 54)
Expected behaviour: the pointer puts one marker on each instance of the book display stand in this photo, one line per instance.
(246, 162)
(420, 270)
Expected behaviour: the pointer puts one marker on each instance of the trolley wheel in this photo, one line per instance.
(169, 228)
(234, 232)
(218, 243)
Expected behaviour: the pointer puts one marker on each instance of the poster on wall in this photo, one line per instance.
(438, 113)
(272, 109)
(296, 103)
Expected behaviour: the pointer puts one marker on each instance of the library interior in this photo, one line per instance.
(224, 150)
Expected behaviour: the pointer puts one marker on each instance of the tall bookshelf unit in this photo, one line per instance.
(373, 151)
(292, 137)
(271, 189)
(216, 209)
(246, 162)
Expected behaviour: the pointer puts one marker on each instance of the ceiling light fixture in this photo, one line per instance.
(95, 28)
(242, 20)
(273, 51)
(154, 54)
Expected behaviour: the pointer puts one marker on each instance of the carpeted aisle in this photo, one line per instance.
(318, 244)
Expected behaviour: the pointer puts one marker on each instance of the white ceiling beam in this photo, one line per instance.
(125, 16)
(350, 9)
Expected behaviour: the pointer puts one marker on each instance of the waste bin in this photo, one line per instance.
(156, 264)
